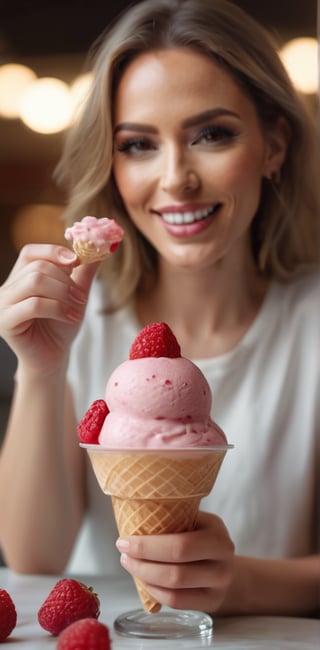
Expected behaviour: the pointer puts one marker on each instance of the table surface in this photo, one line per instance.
(119, 595)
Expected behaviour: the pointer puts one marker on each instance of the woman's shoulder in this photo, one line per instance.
(293, 313)
(301, 293)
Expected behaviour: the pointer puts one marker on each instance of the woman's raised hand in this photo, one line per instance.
(42, 304)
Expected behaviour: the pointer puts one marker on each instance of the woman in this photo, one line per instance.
(195, 141)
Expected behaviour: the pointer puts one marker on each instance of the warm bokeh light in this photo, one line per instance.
(14, 81)
(47, 105)
(37, 224)
(300, 56)
(80, 88)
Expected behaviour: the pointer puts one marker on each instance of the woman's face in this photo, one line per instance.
(189, 156)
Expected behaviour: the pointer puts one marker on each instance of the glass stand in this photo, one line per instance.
(166, 624)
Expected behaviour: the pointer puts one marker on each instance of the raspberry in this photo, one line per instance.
(83, 635)
(155, 340)
(8, 615)
(68, 601)
(89, 427)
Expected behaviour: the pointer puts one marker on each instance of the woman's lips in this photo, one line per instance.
(184, 223)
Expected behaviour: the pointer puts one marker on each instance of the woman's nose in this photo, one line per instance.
(178, 174)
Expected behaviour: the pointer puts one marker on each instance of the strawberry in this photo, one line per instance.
(8, 615)
(83, 635)
(68, 601)
(155, 340)
(89, 427)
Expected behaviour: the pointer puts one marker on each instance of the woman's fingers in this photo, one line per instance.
(83, 275)
(39, 280)
(59, 255)
(18, 319)
(42, 304)
(205, 599)
(210, 540)
(190, 569)
(198, 585)
(178, 576)
(37, 294)
(39, 287)
(63, 258)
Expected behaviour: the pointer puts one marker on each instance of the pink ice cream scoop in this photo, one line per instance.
(158, 399)
(159, 403)
(94, 239)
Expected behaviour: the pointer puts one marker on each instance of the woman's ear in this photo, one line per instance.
(278, 138)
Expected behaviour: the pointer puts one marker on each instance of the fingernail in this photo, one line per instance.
(65, 255)
(122, 544)
(123, 559)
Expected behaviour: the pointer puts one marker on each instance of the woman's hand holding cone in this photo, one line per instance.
(191, 570)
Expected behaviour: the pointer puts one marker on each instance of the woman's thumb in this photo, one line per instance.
(84, 274)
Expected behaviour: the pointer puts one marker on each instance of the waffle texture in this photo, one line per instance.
(155, 493)
(88, 253)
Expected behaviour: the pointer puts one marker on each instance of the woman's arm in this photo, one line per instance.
(288, 587)
(42, 483)
(42, 497)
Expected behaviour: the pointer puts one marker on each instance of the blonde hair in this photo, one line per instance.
(286, 228)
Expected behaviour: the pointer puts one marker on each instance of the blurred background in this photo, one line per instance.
(43, 48)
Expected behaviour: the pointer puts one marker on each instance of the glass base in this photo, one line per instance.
(166, 624)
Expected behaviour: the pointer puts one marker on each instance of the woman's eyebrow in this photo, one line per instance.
(188, 122)
(208, 115)
(132, 126)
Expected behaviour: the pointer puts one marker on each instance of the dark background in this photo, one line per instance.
(35, 27)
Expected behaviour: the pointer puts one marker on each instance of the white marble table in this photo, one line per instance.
(117, 596)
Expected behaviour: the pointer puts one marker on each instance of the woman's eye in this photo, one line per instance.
(214, 134)
(134, 146)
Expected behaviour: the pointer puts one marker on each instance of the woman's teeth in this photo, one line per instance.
(188, 217)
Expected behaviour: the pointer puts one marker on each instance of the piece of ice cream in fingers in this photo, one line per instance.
(93, 240)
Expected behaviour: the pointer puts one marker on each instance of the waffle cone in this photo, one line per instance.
(88, 253)
(155, 493)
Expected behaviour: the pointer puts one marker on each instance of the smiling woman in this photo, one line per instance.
(279, 232)
(194, 139)
(190, 178)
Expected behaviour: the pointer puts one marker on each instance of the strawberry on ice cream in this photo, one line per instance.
(94, 239)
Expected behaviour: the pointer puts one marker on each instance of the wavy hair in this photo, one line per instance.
(285, 230)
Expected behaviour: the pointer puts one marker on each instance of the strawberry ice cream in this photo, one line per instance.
(94, 239)
(159, 403)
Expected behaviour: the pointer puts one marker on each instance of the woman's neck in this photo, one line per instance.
(209, 310)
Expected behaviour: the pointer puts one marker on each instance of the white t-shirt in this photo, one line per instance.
(266, 397)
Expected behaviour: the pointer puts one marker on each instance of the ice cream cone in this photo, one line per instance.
(87, 252)
(155, 492)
